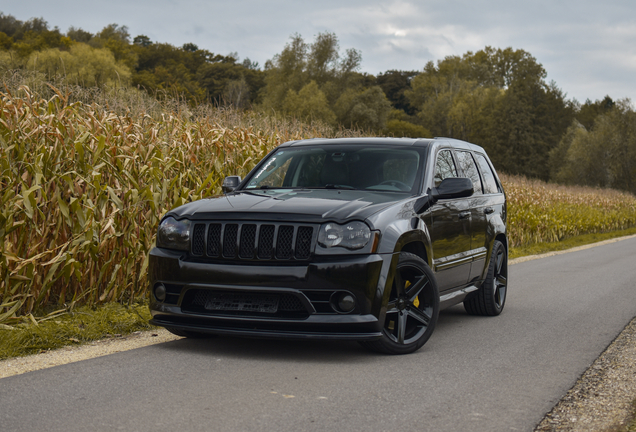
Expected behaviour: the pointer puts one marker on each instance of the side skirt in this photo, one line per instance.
(455, 297)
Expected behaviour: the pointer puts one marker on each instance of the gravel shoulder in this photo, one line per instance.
(601, 400)
(71, 354)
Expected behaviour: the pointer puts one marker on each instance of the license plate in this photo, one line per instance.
(243, 303)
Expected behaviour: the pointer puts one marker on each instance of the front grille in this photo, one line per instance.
(253, 241)
(243, 303)
(214, 240)
(284, 243)
(197, 239)
(229, 240)
(266, 242)
(303, 242)
(248, 236)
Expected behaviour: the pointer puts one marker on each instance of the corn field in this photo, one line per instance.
(541, 212)
(82, 190)
(83, 186)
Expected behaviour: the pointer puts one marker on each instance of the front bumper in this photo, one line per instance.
(311, 285)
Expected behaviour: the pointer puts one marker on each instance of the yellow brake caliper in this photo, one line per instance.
(416, 302)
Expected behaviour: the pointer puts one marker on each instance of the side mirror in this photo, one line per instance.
(230, 183)
(453, 187)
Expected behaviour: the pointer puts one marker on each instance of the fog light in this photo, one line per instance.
(160, 292)
(343, 302)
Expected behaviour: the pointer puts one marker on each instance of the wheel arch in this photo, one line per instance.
(416, 242)
(503, 239)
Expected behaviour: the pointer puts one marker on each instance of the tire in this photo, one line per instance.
(490, 299)
(412, 309)
(189, 333)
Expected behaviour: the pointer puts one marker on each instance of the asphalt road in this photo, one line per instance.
(474, 374)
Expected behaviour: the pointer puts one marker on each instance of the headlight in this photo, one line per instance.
(174, 234)
(354, 235)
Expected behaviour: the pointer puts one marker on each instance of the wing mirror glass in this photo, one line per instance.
(230, 183)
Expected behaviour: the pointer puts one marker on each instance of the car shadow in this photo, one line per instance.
(322, 351)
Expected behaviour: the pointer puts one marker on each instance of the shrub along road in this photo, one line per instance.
(475, 373)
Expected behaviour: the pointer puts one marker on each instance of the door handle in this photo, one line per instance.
(489, 210)
(464, 215)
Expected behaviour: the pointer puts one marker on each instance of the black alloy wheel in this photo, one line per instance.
(490, 299)
(412, 309)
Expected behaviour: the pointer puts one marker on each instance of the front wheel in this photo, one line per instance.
(490, 299)
(412, 309)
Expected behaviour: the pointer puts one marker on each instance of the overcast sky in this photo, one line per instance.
(587, 47)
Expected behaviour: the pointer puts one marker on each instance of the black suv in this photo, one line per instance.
(359, 238)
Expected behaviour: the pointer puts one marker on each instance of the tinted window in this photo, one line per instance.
(444, 167)
(490, 184)
(393, 169)
(470, 169)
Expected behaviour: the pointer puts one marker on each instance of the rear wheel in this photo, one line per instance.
(490, 299)
(412, 309)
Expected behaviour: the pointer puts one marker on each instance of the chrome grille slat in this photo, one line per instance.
(253, 241)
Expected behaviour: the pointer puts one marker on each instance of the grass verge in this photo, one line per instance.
(569, 243)
(83, 325)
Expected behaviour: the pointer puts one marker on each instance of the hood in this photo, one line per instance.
(314, 205)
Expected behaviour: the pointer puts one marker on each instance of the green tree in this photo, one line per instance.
(117, 39)
(333, 74)
(286, 71)
(401, 128)
(9, 25)
(79, 35)
(497, 99)
(589, 111)
(310, 103)
(322, 59)
(367, 109)
(604, 156)
(237, 93)
(395, 83)
(563, 169)
(5, 41)
(83, 64)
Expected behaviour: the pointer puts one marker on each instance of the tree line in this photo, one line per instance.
(496, 98)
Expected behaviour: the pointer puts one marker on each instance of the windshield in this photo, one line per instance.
(344, 167)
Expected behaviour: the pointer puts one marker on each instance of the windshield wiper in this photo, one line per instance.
(249, 192)
(338, 186)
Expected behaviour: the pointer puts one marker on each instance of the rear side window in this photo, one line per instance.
(444, 167)
(490, 184)
(470, 170)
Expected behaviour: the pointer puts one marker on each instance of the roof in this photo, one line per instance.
(360, 141)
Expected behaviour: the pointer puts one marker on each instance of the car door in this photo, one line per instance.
(479, 211)
(449, 229)
(490, 205)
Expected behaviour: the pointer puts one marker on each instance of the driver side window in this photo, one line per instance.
(444, 167)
